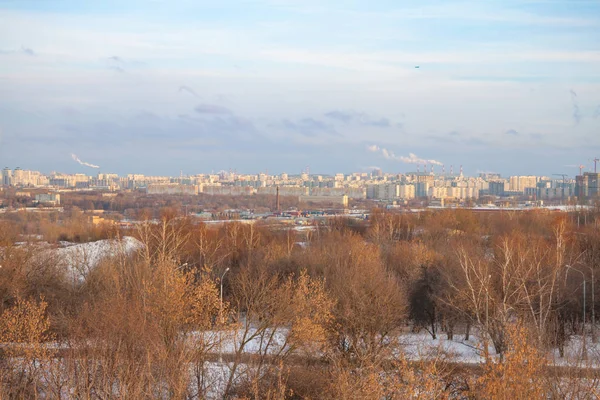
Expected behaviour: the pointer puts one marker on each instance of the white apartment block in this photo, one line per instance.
(284, 190)
(459, 193)
(28, 178)
(172, 188)
(520, 183)
(383, 191)
(407, 192)
(227, 190)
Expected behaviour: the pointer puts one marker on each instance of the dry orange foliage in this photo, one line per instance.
(519, 374)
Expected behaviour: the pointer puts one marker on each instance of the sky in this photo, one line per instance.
(194, 86)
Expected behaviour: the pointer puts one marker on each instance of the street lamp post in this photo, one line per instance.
(593, 310)
(221, 315)
(583, 348)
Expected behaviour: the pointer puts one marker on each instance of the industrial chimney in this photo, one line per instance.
(277, 199)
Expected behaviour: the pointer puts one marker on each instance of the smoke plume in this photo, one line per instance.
(188, 90)
(576, 112)
(83, 163)
(410, 159)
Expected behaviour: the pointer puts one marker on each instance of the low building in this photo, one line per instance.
(48, 198)
(337, 200)
(217, 189)
(97, 220)
(171, 188)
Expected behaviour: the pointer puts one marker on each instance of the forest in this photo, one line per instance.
(448, 304)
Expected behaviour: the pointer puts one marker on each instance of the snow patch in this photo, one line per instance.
(79, 259)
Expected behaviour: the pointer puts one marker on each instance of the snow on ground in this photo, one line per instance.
(419, 346)
(416, 346)
(231, 340)
(79, 259)
(211, 377)
(574, 354)
(214, 379)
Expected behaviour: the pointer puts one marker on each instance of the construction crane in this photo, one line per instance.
(563, 186)
(595, 161)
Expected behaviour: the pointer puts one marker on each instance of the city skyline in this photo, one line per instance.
(159, 87)
(339, 188)
(91, 170)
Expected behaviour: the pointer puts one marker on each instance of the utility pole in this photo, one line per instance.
(583, 348)
(594, 339)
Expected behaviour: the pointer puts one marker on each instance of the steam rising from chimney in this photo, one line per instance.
(83, 163)
(410, 159)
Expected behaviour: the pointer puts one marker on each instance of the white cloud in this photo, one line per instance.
(271, 72)
(478, 11)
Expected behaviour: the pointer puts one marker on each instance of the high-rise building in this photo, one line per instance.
(383, 191)
(421, 189)
(6, 177)
(496, 188)
(593, 182)
(407, 192)
(586, 185)
(581, 186)
(520, 183)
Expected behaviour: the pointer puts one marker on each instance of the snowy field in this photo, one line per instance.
(79, 259)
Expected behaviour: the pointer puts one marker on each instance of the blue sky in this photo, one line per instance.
(157, 87)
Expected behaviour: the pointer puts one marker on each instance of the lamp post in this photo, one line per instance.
(593, 309)
(583, 349)
(221, 315)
